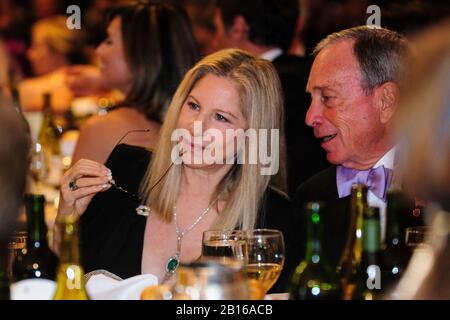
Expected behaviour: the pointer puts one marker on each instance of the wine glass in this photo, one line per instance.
(225, 246)
(264, 257)
(38, 165)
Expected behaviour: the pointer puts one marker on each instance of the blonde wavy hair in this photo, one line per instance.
(243, 187)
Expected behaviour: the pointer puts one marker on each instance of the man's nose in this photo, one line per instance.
(314, 115)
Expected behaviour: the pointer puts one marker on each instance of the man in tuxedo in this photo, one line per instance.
(354, 87)
(266, 28)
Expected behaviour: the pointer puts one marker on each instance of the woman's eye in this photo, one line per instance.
(220, 117)
(193, 106)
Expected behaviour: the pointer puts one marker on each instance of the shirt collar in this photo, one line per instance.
(272, 54)
(387, 160)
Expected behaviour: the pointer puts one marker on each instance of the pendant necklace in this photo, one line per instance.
(174, 261)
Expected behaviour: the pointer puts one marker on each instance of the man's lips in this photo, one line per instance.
(327, 138)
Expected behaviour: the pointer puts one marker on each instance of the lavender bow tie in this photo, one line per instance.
(377, 180)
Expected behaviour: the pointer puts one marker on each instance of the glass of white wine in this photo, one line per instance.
(264, 257)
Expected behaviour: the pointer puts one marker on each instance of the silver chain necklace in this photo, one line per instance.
(174, 261)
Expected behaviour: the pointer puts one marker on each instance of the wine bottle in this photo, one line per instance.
(395, 253)
(34, 269)
(352, 254)
(369, 286)
(48, 139)
(314, 278)
(49, 132)
(70, 276)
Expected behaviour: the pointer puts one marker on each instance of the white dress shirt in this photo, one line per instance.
(272, 54)
(388, 162)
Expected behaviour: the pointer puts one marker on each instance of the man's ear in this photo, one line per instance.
(238, 32)
(388, 99)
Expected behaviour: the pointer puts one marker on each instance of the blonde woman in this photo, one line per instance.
(229, 90)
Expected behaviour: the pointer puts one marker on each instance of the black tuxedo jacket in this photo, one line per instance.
(305, 156)
(336, 216)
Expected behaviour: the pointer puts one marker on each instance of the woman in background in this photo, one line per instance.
(148, 49)
(53, 48)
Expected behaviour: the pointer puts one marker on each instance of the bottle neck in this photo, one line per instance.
(314, 234)
(69, 246)
(371, 241)
(16, 99)
(358, 207)
(47, 108)
(37, 229)
(395, 204)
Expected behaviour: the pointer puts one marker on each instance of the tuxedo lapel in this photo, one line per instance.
(322, 187)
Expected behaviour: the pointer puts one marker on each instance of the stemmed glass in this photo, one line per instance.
(225, 246)
(38, 165)
(264, 257)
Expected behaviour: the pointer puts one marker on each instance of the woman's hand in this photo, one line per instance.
(90, 177)
(84, 80)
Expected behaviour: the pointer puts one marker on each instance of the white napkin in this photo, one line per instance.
(104, 287)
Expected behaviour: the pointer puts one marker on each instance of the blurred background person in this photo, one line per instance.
(266, 29)
(14, 145)
(16, 18)
(425, 154)
(205, 20)
(53, 47)
(148, 49)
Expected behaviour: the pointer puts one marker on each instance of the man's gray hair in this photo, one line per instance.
(380, 53)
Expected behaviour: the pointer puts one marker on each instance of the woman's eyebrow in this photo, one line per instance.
(227, 112)
(194, 98)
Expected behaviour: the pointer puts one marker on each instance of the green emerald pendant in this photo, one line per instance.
(172, 264)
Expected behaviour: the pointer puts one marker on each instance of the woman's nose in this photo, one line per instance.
(199, 123)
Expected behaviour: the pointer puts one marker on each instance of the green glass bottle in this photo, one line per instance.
(34, 269)
(314, 278)
(70, 276)
(369, 285)
(352, 254)
(395, 253)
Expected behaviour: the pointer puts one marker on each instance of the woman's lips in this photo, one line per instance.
(192, 146)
